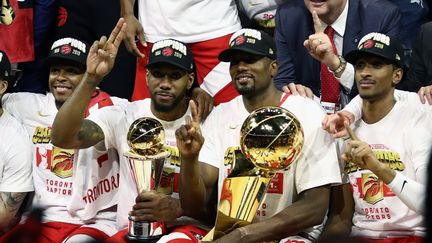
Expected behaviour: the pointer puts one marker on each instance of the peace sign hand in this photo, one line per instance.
(188, 136)
(103, 52)
(319, 45)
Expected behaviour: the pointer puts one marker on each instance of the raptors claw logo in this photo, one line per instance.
(7, 14)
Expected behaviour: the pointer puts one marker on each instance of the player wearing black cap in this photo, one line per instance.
(385, 159)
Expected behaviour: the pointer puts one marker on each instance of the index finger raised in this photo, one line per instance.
(196, 118)
(117, 33)
(351, 133)
(317, 22)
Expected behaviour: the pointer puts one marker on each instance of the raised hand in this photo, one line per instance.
(319, 45)
(103, 52)
(188, 136)
(334, 123)
(359, 152)
(204, 102)
(153, 206)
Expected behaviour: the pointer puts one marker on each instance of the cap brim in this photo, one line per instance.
(353, 56)
(225, 55)
(171, 62)
(55, 59)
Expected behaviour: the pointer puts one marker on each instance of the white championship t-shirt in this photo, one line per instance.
(402, 141)
(316, 166)
(115, 123)
(15, 156)
(188, 21)
(53, 167)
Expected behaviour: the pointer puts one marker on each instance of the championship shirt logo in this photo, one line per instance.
(7, 13)
(62, 162)
(372, 187)
(66, 49)
(167, 51)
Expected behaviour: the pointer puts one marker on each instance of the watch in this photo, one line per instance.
(339, 70)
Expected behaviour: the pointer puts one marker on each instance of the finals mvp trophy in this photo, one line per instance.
(146, 139)
(271, 139)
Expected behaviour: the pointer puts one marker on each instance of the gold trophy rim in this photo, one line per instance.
(133, 155)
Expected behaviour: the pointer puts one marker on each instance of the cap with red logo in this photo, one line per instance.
(380, 45)
(173, 52)
(250, 41)
(69, 49)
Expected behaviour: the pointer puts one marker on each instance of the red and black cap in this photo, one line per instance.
(173, 52)
(250, 41)
(69, 49)
(379, 45)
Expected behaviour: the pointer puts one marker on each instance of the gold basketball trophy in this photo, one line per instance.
(146, 140)
(271, 139)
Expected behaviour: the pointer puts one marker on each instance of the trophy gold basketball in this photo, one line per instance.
(271, 139)
(146, 139)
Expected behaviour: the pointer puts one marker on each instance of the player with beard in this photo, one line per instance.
(385, 162)
(299, 196)
(169, 77)
(67, 182)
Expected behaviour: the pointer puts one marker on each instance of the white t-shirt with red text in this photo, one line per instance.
(53, 167)
(316, 166)
(400, 140)
(115, 123)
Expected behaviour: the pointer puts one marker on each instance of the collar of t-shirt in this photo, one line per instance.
(339, 26)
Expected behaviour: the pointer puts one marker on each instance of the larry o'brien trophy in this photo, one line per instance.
(271, 139)
(146, 140)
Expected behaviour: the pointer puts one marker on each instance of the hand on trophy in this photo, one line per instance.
(103, 52)
(189, 138)
(153, 206)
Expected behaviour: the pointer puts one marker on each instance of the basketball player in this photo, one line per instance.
(297, 198)
(205, 26)
(170, 76)
(76, 189)
(15, 157)
(386, 159)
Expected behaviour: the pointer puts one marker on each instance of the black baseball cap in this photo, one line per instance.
(379, 45)
(69, 49)
(250, 41)
(173, 52)
(5, 68)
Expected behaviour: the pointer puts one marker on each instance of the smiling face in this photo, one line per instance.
(168, 86)
(63, 79)
(251, 73)
(327, 10)
(376, 77)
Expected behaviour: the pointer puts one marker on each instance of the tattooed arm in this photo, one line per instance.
(70, 129)
(10, 202)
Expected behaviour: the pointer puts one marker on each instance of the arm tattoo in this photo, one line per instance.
(11, 201)
(90, 134)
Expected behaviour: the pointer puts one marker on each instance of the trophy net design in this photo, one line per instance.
(271, 139)
(146, 139)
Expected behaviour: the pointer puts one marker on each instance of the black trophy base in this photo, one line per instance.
(149, 239)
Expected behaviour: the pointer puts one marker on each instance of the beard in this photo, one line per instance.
(168, 107)
(245, 90)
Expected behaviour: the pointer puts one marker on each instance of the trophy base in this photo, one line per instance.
(149, 239)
